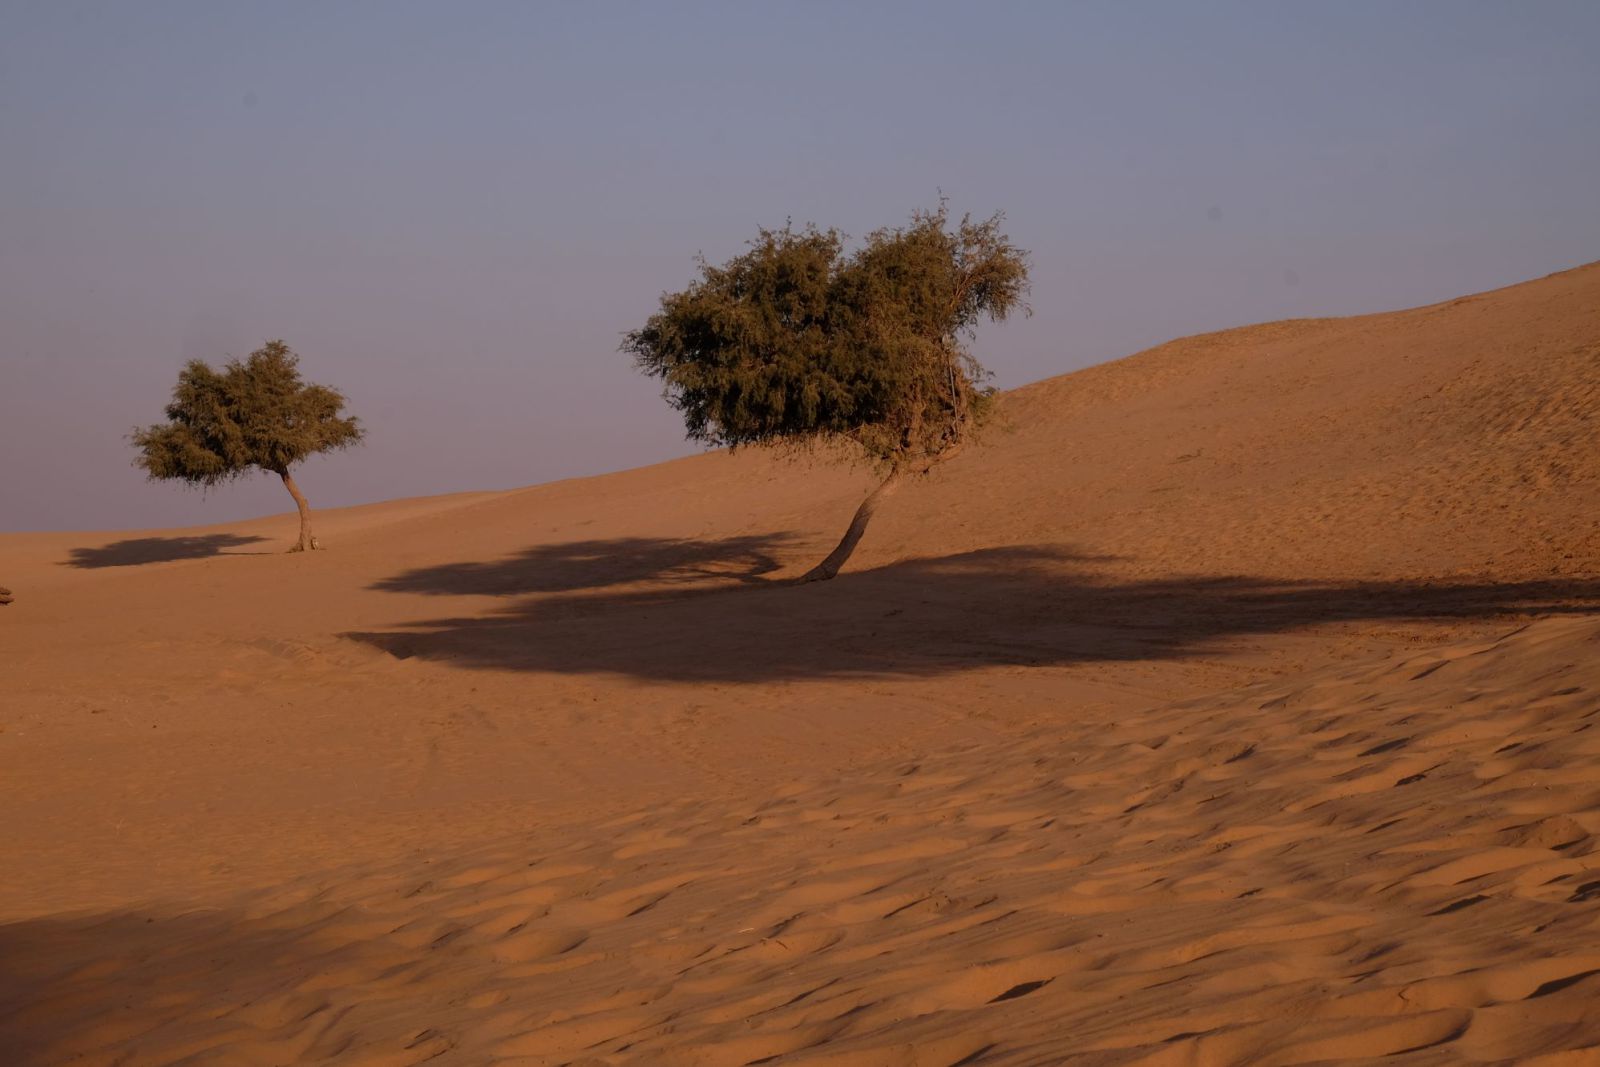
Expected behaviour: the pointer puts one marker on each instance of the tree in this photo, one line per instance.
(797, 342)
(253, 414)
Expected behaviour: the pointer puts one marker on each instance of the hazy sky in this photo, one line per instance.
(454, 210)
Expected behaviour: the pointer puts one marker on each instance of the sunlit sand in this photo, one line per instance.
(1231, 703)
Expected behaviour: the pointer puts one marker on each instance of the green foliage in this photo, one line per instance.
(253, 413)
(798, 342)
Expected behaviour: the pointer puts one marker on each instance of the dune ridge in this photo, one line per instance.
(1232, 703)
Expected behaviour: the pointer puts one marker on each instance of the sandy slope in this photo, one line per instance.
(1230, 705)
(1358, 862)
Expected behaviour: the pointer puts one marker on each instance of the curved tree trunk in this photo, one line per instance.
(307, 542)
(858, 526)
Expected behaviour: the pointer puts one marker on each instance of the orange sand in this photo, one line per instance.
(1232, 704)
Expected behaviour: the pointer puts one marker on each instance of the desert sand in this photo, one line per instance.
(1232, 703)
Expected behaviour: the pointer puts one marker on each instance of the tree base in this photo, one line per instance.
(816, 574)
(836, 560)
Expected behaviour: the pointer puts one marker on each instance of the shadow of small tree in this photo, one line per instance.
(1017, 606)
(141, 550)
(576, 565)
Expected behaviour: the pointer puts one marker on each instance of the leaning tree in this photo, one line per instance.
(799, 342)
(253, 414)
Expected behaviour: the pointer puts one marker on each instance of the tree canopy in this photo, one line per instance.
(799, 341)
(253, 414)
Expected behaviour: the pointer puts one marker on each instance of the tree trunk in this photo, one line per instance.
(858, 526)
(307, 542)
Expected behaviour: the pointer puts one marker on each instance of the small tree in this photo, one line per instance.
(796, 342)
(253, 414)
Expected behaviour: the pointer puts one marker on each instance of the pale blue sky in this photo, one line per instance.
(453, 211)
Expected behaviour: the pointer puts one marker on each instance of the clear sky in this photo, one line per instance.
(454, 210)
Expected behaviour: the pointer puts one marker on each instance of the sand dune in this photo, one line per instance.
(1358, 862)
(1231, 704)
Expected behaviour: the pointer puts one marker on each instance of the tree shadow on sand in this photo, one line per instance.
(1017, 606)
(576, 565)
(140, 550)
